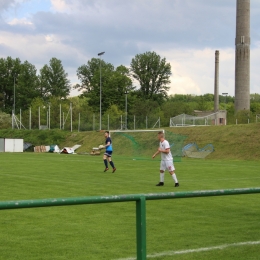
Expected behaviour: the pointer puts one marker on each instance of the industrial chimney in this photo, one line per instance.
(242, 67)
(216, 83)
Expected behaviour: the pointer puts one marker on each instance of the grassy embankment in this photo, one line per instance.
(235, 142)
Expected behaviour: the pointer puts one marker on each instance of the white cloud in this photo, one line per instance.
(23, 21)
(39, 49)
(49, 38)
(60, 6)
(193, 70)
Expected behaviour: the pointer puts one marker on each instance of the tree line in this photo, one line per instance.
(145, 85)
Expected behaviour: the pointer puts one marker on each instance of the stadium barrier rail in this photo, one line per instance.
(140, 200)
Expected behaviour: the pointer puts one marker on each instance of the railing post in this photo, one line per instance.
(141, 228)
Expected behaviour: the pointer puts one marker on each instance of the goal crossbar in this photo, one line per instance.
(136, 131)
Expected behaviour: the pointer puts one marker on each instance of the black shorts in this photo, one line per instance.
(108, 153)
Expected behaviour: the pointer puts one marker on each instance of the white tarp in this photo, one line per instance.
(75, 147)
(67, 150)
(70, 150)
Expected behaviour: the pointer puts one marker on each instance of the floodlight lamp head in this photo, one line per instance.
(101, 53)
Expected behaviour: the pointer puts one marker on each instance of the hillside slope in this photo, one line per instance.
(230, 142)
(239, 142)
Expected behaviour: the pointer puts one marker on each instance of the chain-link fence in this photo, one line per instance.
(69, 120)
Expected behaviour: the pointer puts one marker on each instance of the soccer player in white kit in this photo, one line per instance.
(166, 160)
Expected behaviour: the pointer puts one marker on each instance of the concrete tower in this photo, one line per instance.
(216, 83)
(242, 70)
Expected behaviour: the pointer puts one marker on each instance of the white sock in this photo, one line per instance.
(161, 177)
(174, 178)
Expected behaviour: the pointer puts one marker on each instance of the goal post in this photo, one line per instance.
(141, 144)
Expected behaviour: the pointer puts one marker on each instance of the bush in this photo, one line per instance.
(5, 120)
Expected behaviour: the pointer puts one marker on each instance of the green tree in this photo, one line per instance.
(53, 80)
(114, 83)
(9, 71)
(204, 105)
(114, 114)
(153, 74)
(27, 86)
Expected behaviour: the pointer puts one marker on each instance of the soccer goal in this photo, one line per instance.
(141, 144)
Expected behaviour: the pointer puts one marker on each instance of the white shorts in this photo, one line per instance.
(167, 165)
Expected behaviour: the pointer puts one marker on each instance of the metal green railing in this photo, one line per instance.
(140, 206)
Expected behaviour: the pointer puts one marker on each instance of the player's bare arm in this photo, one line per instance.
(157, 152)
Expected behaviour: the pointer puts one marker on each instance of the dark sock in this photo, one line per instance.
(112, 164)
(105, 162)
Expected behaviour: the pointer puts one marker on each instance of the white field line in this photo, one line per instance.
(202, 249)
(222, 179)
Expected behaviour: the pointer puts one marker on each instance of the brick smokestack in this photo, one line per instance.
(242, 68)
(216, 83)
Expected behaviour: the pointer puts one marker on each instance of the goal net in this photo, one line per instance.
(142, 144)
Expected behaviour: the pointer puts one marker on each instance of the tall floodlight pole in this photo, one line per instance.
(100, 94)
(13, 112)
(15, 77)
(126, 109)
(14, 95)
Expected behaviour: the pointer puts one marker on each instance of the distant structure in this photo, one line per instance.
(216, 83)
(242, 67)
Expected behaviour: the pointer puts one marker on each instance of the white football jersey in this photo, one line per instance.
(165, 156)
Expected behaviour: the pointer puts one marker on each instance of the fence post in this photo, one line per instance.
(93, 122)
(30, 118)
(49, 116)
(141, 228)
(60, 116)
(70, 116)
(79, 123)
(39, 116)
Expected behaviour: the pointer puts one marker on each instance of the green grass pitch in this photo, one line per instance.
(176, 229)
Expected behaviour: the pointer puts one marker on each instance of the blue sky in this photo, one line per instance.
(185, 32)
(21, 9)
